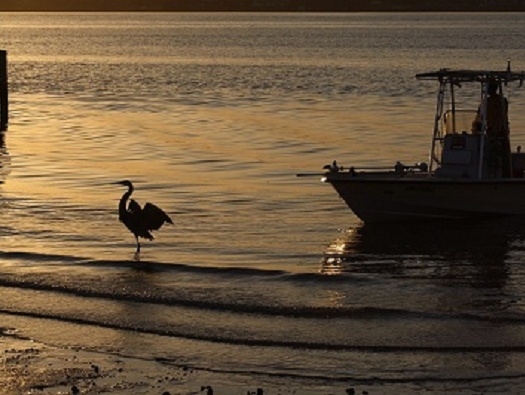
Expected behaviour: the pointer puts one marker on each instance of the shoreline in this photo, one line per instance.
(28, 366)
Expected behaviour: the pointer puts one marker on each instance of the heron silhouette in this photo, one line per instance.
(140, 221)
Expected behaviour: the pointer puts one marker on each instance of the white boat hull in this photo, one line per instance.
(410, 199)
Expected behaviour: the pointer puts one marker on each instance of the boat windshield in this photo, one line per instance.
(459, 121)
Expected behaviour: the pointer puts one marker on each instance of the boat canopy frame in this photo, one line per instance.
(449, 80)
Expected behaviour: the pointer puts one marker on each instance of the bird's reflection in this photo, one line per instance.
(474, 253)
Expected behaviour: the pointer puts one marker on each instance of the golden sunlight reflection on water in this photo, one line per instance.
(76, 145)
(227, 173)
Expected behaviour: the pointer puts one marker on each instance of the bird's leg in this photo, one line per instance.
(137, 252)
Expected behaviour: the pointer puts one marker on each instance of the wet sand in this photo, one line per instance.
(30, 367)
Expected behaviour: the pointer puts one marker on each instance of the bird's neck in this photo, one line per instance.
(124, 199)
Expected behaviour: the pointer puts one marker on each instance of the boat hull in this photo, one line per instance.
(413, 199)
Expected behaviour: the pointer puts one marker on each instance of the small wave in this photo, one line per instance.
(175, 300)
(181, 267)
(391, 348)
(150, 266)
(345, 378)
(271, 274)
(288, 311)
(324, 276)
(31, 256)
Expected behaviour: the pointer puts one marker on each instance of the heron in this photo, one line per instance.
(140, 221)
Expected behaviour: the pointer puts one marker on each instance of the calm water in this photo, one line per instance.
(265, 278)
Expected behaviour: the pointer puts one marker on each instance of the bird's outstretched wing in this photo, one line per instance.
(133, 207)
(154, 217)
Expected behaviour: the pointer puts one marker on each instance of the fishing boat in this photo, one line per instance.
(471, 171)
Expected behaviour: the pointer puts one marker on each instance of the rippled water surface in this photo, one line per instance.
(264, 274)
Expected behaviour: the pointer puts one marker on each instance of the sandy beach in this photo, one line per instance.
(30, 367)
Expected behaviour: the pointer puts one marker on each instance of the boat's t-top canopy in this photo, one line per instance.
(471, 143)
(471, 132)
(459, 76)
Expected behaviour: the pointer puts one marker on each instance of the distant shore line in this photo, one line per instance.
(265, 5)
(397, 10)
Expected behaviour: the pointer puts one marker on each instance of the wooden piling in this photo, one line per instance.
(3, 91)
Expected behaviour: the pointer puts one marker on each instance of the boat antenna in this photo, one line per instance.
(505, 81)
(509, 87)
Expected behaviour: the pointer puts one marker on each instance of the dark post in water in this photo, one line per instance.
(3, 90)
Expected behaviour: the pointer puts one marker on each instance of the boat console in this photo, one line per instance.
(460, 156)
